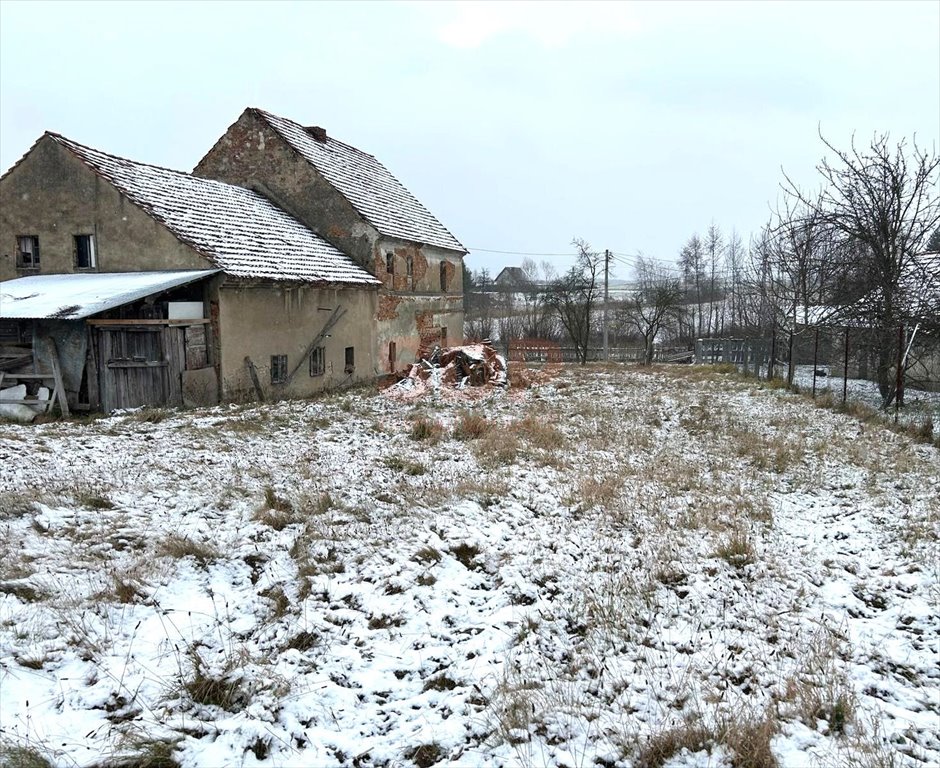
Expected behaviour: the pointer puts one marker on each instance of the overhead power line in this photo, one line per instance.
(518, 253)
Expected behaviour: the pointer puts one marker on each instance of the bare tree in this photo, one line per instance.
(574, 295)
(656, 303)
(883, 201)
(539, 320)
(734, 265)
(692, 261)
(714, 247)
(478, 305)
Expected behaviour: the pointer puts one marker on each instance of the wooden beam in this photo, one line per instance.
(333, 320)
(256, 382)
(59, 384)
(109, 321)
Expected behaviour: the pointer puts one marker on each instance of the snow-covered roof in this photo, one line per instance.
(75, 296)
(367, 184)
(237, 229)
(511, 276)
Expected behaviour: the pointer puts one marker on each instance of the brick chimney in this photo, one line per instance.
(317, 132)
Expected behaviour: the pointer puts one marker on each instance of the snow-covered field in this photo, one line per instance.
(617, 568)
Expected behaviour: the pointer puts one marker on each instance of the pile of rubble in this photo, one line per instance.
(453, 369)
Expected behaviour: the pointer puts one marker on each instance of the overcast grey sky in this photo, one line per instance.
(521, 126)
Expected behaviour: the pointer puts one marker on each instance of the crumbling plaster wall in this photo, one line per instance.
(259, 319)
(54, 195)
(413, 309)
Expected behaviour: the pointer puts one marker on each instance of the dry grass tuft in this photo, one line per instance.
(223, 689)
(427, 430)
(406, 466)
(472, 426)
(665, 744)
(497, 449)
(737, 549)
(748, 735)
(178, 546)
(21, 756)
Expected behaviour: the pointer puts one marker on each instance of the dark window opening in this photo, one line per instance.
(392, 355)
(443, 336)
(85, 256)
(443, 275)
(317, 361)
(390, 263)
(350, 359)
(27, 251)
(409, 265)
(278, 369)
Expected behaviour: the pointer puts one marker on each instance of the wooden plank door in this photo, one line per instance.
(132, 367)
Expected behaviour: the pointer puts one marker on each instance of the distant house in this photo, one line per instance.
(511, 278)
(352, 201)
(162, 287)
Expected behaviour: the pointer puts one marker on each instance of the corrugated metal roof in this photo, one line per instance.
(76, 296)
(240, 231)
(381, 198)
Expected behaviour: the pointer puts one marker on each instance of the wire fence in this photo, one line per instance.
(896, 372)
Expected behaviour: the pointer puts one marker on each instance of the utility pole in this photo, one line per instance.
(606, 297)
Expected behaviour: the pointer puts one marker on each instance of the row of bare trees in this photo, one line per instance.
(850, 253)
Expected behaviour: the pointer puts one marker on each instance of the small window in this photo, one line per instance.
(390, 263)
(350, 359)
(278, 369)
(317, 361)
(27, 252)
(444, 276)
(85, 256)
(443, 336)
(392, 355)
(410, 265)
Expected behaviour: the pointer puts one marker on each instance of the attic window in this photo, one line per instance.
(317, 133)
(85, 255)
(27, 251)
(390, 263)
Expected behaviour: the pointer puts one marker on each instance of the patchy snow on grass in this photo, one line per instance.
(620, 567)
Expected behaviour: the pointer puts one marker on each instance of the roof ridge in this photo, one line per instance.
(379, 197)
(264, 113)
(70, 143)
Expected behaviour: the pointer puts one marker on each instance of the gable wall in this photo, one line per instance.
(251, 154)
(410, 311)
(52, 194)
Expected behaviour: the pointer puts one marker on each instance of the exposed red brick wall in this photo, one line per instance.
(429, 334)
(388, 307)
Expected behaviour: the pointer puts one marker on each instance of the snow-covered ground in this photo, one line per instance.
(630, 568)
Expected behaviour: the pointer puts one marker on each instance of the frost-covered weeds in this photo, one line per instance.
(620, 567)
